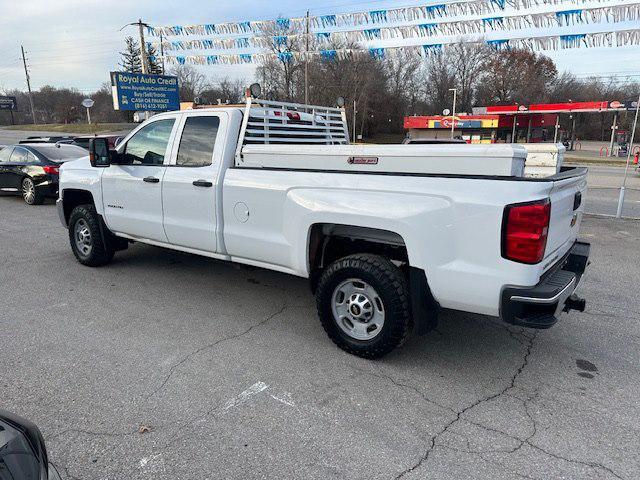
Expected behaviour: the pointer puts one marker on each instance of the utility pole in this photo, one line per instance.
(143, 50)
(26, 73)
(614, 127)
(513, 132)
(306, 60)
(453, 113)
(354, 120)
(162, 51)
(555, 135)
(626, 168)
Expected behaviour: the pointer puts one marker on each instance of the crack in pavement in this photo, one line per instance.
(214, 344)
(458, 415)
(413, 388)
(64, 469)
(529, 442)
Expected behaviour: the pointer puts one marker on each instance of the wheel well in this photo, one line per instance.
(72, 198)
(329, 242)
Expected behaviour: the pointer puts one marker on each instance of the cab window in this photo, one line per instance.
(149, 145)
(198, 141)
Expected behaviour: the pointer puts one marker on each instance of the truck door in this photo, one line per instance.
(189, 191)
(132, 189)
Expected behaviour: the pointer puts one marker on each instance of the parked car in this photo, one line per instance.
(23, 453)
(32, 169)
(432, 141)
(83, 141)
(387, 234)
(50, 139)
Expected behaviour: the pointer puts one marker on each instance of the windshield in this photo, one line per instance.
(61, 153)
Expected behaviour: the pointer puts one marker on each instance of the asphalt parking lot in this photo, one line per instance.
(170, 366)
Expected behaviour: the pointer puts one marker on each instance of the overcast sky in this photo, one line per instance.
(76, 42)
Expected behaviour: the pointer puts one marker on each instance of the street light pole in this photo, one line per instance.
(453, 113)
(626, 168)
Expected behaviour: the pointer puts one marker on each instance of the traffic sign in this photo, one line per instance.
(87, 103)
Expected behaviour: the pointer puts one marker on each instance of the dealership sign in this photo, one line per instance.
(8, 103)
(138, 91)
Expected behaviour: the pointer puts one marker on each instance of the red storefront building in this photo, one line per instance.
(502, 123)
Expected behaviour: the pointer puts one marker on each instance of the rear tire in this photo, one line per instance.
(90, 245)
(30, 193)
(363, 305)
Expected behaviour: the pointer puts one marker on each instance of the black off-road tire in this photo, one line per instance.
(102, 245)
(390, 284)
(30, 193)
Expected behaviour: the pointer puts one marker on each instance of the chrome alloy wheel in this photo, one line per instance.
(358, 309)
(28, 191)
(82, 235)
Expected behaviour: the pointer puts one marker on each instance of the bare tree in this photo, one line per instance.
(191, 81)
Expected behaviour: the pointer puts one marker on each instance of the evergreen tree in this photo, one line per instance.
(131, 61)
(155, 63)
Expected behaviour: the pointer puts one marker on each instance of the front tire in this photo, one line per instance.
(89, 245)
(30, 193)
(363, 305)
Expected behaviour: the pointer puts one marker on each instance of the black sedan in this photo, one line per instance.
(32, 170)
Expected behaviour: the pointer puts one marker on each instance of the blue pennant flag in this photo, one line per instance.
(210, 29)
(427, 28)
(212, 59)
(436, 10)
(431, 48)
(280, 40)
(376, 52)
(181, 60)
(499, 3)
(177, 30)
(152, 58)
(328, 54)
(285, 56)
(322, 36)
(378, 16)
(328, 20)
(207, 44)
(242, 42)
(177, 45)
(572, 41)
(283, 23)
(567, 15)
(244, 27)
(246, 58)
(498, 44)
(372, 33)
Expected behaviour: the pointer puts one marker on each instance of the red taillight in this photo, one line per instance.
(51, 169)
(525, 231)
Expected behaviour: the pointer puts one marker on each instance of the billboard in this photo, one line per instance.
(8, 103)
(138, 91)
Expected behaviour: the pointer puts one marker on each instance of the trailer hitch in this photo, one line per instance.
(574, 302)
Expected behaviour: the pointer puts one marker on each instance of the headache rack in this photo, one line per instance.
(268, 122)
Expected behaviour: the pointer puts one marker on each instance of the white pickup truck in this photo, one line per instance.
(387, 235)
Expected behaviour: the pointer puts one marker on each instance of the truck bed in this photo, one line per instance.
(505, 160)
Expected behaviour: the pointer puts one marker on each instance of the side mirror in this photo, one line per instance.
(22, 450)
(99, 154)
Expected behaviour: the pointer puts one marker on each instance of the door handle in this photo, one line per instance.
(151, 179)
(202, 183)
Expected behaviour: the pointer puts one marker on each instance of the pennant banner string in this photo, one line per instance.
(393, 15)
(614, 14)
(552, 42)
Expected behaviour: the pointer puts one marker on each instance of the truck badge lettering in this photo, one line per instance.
(362, 161)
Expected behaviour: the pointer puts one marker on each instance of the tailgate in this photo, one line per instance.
(567, 207)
